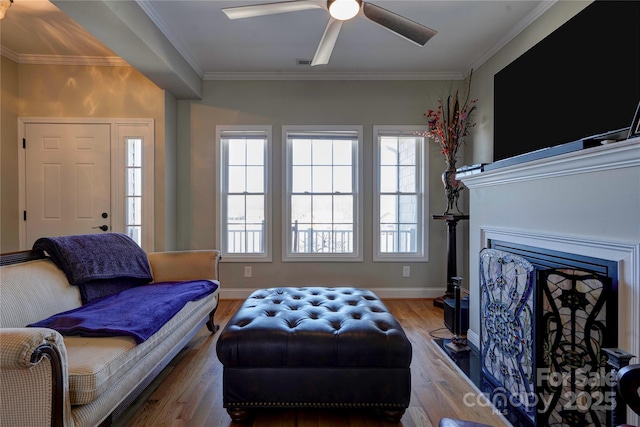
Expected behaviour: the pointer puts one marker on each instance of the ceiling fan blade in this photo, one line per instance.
(404, 27)
(250, 11)
(328, 41)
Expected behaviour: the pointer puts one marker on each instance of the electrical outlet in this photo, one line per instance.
(406, 271)
(247, 271)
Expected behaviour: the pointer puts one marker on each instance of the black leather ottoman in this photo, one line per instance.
(314, 347)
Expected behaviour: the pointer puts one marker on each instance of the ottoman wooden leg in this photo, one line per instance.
(239, 415)
(393, 415)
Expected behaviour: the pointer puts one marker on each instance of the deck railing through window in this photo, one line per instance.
(321, 240)
(246, 240)
(398, 241)
(313, 240)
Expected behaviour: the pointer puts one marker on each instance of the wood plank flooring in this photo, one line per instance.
(189, 392)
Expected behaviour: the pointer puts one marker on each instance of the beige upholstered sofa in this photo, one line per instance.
(47, 379)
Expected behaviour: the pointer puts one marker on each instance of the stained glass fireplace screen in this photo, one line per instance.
(542, 329)
(507, 326)
(573, 331)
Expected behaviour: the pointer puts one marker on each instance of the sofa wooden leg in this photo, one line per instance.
(211, 325)
(239, 415)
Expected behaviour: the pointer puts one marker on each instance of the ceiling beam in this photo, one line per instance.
(125, 28)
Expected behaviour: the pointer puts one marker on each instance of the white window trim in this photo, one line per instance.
(145, 132)
(220, 230)
(358, 229)
(423, 174)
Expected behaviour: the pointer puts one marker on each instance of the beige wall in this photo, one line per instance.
(73, 91)
(9, 106)
(166, 203)
(279, 103)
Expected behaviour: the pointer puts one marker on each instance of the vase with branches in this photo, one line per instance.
(448, 126)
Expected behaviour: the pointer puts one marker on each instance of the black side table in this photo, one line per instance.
(452, 222)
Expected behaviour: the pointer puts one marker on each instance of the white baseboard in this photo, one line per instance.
(242, 293)
(473, 338)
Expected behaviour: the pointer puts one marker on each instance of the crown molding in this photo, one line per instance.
(330, 76)
(99, 61)
(9, 54)
(517, 29)
(115, 61)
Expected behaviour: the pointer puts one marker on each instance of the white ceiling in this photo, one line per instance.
(214, 47)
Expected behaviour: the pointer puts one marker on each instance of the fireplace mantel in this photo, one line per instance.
(585, 202)
(621, 154)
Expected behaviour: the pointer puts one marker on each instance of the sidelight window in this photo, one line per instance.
(133, 189)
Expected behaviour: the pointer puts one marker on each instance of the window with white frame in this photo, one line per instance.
(244, 193)
(133, 189)
(133, 213)
(399, 200)
(323, 197)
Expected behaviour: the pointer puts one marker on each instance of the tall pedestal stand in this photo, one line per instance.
(452, 221)
(458, 343)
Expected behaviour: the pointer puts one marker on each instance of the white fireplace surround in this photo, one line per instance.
(627, 256)
(585, 202)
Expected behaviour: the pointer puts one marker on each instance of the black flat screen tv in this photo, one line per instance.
(581, 80)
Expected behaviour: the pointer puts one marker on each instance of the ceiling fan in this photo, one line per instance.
(339, 11)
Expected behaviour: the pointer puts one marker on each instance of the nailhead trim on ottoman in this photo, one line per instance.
(314, 347)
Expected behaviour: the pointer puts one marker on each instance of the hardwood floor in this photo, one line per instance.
(189, 392)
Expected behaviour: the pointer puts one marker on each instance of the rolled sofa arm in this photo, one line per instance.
(184, 265)
(34, 386)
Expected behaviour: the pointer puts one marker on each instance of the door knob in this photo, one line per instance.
(102, 227)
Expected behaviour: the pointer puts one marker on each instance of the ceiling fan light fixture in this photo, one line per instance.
(4, 5)
(344, 9)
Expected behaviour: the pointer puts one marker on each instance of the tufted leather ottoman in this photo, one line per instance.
(314, 347)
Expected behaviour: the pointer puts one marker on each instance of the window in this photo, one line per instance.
(244, 193)
(133, 189)
(399, 200)
(133, 214)
(323, 196)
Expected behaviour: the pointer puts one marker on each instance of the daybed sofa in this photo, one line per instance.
(50, 379)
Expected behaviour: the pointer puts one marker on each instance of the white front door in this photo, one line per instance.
(67, 179)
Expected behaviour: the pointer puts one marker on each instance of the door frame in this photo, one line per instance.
(117, 168)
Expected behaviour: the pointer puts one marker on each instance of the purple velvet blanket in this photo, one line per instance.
(88, 257)
(138, 312)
